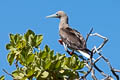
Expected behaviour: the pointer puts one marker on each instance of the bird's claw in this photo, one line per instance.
(70, 52)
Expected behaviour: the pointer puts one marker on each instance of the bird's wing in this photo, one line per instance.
(72, 38)
(79, 36)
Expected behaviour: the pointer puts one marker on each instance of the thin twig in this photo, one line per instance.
(8, 73)
(93, 74)
(96, 66)
(90, 67)
(97, 59)
(116, 70)
(99, 70)
(104, 42)
(85, 75)
(107, 61)
(108, 78)
(88, 35)
(16, 64)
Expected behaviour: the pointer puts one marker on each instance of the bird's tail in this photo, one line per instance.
(86, 54)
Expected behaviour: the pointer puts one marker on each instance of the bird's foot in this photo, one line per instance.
(70, 52)
(60, 41)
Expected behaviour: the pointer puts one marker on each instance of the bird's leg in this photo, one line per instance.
(72, 52)
(65, 47)
(60, 41)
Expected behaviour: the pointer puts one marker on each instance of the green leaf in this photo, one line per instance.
(83, 72)
(46, 49)
(43, 55)
(45, 74)
(50, 55)
(66, 63)
(37, 72)
(2, 77)
(47, 64)
(10, 58)
(21, 44)
(81, 65)
(31, 41)
(23, 57)
(38, 63)
(58, 56)
(9, 46)
(57, 65)
(12, 38)
(27, 35)
(73, 60)
(19, 75)
(38, 39)
(30, 72)
(30, 32)
(16, 38)
(61, 57)
(30, 58)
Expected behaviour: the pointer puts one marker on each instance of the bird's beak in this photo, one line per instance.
(52, 16)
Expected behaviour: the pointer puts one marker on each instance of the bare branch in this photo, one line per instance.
(100, 71)
(85, 75)
(106, 60)
(108, 78)
(16, 64)
(97, 59)
(91, 65)
(93, 74)
(104, 42)
(8, 73)
(116, 70)
(88, 35)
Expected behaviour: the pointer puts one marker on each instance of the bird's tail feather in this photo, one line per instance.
(87, 55)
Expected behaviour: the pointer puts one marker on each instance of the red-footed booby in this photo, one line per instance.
(70, 38)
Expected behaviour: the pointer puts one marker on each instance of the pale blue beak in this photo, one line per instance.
(52, 16)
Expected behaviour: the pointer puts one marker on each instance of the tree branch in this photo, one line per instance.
(93, 74)
(89, 64)
(111, 68)
(88, 35)
(16, 64)
(8, 73)
(104, 42)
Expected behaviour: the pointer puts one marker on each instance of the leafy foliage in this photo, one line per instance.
(2, 78)
(37, 63)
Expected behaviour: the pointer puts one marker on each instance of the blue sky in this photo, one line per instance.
(17, 16)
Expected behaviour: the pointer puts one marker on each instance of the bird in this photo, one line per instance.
(70, 38)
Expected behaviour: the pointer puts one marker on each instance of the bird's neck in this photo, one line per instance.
(63, 22)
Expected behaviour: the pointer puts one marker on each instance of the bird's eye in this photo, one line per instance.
(58, 15)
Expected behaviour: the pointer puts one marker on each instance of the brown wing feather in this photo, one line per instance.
(72, 38)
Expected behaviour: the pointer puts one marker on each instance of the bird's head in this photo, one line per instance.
(58, 14)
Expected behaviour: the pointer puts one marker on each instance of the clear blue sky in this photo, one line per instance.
(17, 16)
